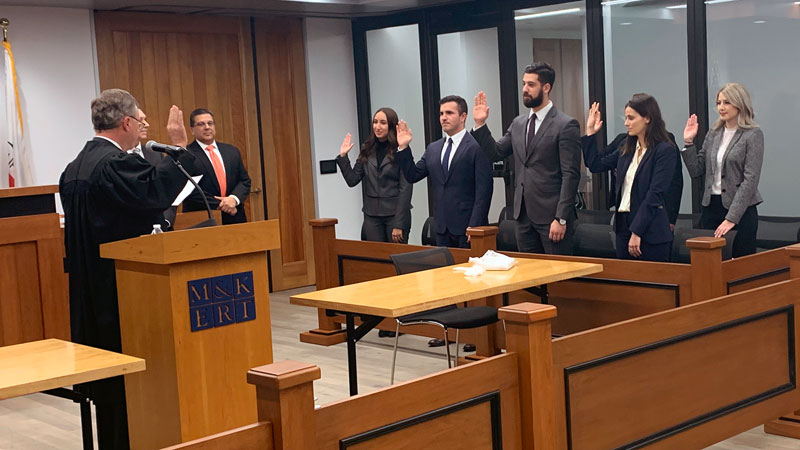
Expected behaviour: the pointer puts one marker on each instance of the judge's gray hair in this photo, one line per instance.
(111, 107)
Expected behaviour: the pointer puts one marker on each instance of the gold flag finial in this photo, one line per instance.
(4, 24)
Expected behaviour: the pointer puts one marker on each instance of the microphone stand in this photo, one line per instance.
(206, 223)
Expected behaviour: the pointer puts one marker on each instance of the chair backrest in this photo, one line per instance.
(680, 253)
(422, 260)
(428, 238)
(595, 216)
(777, 232)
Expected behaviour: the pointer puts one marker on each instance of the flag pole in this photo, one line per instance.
(4, 24)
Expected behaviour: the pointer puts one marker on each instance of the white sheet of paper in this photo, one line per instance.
(186, 190)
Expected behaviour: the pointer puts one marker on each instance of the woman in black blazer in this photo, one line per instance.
(645, 164)
(385, 192)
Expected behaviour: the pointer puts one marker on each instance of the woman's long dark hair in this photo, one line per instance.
(368, 148)
(656, 131)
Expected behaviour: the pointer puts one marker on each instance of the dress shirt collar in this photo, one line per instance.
(542, 113)
(137, 150)
(203, 146)
(456, 138)
(110, 140)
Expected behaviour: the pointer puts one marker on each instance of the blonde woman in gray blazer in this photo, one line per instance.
(730, 159)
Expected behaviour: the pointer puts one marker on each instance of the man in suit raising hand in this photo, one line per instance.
(225, 177)
(547, 157)
(459, 173)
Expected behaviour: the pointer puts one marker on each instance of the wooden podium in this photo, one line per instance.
(195, 305)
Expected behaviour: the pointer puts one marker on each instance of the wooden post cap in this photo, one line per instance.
(482, 231)
(526, 312)
(793, 250)
(323, 222)
(705, 242)
(283, 374)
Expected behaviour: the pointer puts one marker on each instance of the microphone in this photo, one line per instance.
(175, 152)
(163, 148)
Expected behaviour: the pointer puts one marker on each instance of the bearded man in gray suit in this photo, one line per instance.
(547, 158)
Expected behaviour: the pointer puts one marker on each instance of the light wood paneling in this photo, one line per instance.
(34, 287)
(286, 147)
(192, 62)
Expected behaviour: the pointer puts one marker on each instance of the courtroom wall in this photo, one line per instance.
(56, 69)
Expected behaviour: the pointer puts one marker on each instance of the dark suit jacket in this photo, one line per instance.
(384, 190)
(236, 178)
(461, 199)
(154, 158)
(651, 182)
(547, 170)
(675, 191)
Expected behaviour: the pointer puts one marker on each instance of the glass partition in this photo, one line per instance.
(395, 81)
(754, 42)
(645, 51)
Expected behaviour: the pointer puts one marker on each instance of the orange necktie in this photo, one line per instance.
(219, 170)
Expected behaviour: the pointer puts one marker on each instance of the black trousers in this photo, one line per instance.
(448, 239)
(535, 238)
(745, 241)
(108, 396)
(379, 229)
(650, 252)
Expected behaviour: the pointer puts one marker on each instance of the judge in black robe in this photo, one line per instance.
(108, 195)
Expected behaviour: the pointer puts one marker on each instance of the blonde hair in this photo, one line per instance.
(740, 99)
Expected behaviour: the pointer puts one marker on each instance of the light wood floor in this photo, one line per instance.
(42, 422)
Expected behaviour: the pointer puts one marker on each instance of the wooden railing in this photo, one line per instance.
(683, 378)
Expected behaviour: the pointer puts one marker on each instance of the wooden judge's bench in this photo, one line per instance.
(33, 285)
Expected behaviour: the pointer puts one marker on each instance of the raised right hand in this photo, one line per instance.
(347, 144)
(176, 131)
(593, 122)
(690, 131)
(480, 112)
(404, 135)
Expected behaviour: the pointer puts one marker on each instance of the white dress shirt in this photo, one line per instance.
(457, 138)
(137, 150)
(540, 115)
(627, 183)
(727, 135)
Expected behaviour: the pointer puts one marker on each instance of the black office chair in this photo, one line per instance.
(446, 316)
(681, 253)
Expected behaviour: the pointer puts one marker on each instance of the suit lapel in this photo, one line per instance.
(647, 155)
(372, 160)
(546, 123)
(733, 142)
(715, 149)
(462, 147)
(626, 163)
(202, 155)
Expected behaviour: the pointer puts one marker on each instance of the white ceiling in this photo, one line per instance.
(316, 8)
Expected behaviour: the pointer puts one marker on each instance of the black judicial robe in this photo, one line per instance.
(108, 195)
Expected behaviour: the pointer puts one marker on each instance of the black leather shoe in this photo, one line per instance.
(436, 343)
(469, 348)
(386, 333)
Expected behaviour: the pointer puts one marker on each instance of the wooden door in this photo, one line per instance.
(208, 61)
(192, 62)
(285, 136)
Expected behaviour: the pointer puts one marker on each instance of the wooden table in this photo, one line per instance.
(46, 366)
(422, 291)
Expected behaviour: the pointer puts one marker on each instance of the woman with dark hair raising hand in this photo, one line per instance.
(385, 192)
(645, 164)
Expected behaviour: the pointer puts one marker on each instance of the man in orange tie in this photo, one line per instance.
(225, 180)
